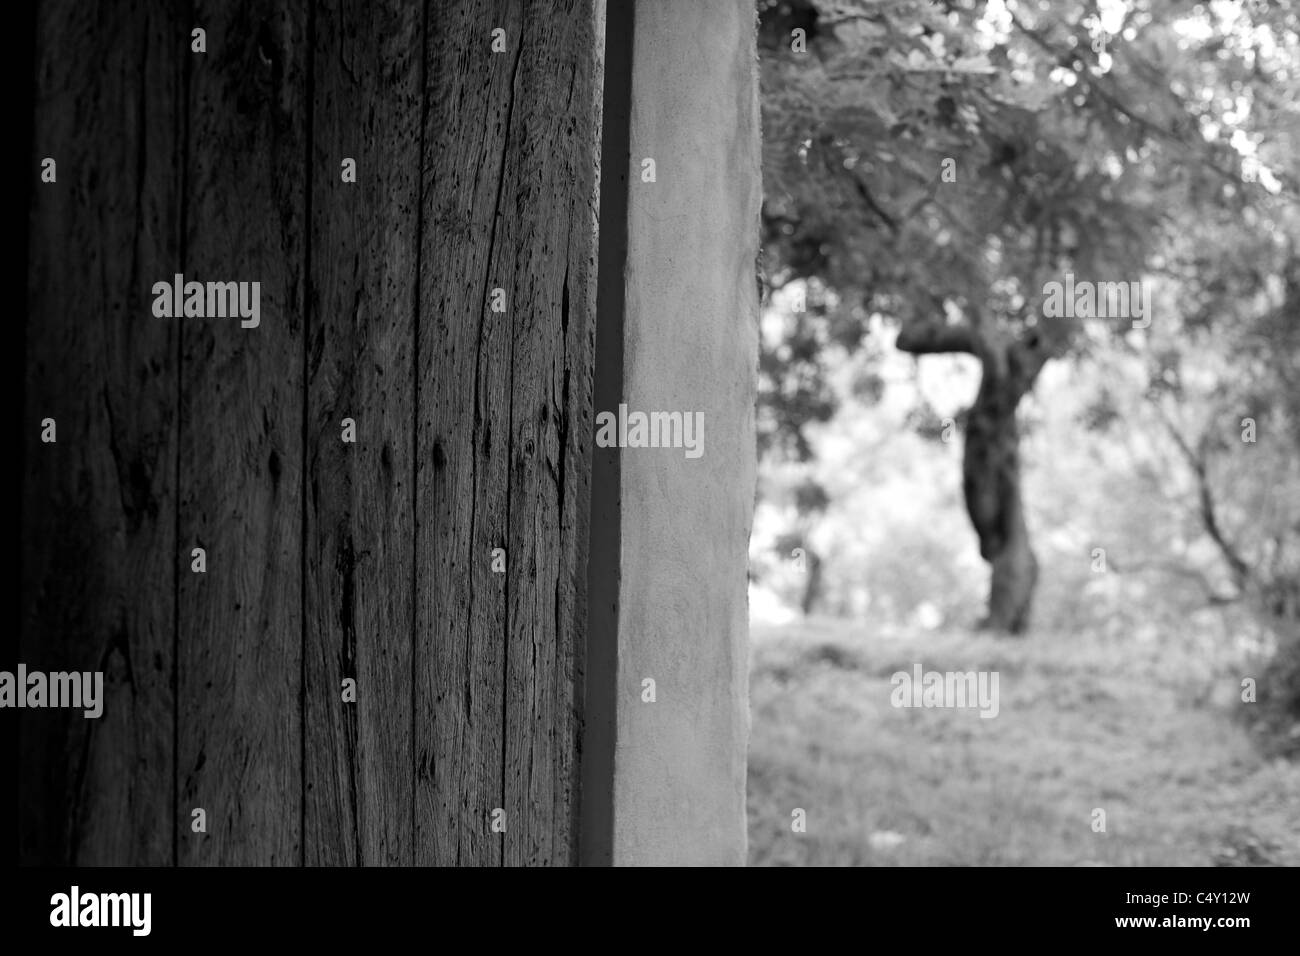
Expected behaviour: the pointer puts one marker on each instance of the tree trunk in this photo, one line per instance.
(991, 482)
(812, 592)
(991, 465)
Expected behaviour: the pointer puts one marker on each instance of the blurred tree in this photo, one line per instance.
(1224, 382)
(935, 164)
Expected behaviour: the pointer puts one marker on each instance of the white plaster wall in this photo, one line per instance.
(690, 345)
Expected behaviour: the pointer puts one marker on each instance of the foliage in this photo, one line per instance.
(1071, 155)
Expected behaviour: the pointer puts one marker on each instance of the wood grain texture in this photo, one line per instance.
(508, 185)
(241, 466)
(98, 516)
(460, 479)
(552, 186)
(360, 522)
(325, 560)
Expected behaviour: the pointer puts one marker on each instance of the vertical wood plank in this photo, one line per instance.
(554, 203)
(502, 448)
(242, 429)
(463, 434)
(360, 522)
(99, 505)
(20, 57)
(473, 426)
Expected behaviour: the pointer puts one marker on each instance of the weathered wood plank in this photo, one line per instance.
(99, 505)
(553, 206)
(463, 436)
(325, 560)
(360, 523)
(501, 451)
(242, 429)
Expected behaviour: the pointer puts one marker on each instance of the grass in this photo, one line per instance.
(1141, 728)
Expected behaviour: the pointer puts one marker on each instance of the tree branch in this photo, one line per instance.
(1241, 574)
(1213, 597)
(826, 144)
(933, 338)
(1154, 130)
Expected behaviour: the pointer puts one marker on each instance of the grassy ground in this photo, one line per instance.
(1142, 730)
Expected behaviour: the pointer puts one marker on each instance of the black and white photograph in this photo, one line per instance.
(467, 434)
